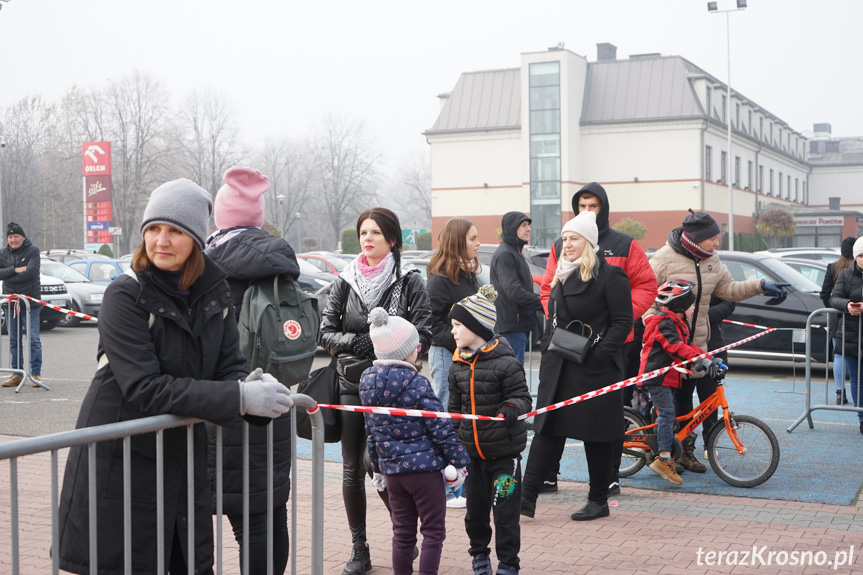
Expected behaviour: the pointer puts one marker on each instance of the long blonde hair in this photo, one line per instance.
(587, 268)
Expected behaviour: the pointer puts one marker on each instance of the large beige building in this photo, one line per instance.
(651, 129)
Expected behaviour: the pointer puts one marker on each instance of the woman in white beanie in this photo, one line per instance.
(587, 289)
(847, 296)
(167, 345)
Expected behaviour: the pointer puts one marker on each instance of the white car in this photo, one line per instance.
(823, 254)
(54, 292)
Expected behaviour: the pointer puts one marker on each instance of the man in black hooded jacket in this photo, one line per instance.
(516, 304)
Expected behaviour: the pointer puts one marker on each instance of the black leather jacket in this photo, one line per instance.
(346, 315)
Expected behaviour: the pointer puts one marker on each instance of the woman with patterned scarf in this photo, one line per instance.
(690, 254)
(376, 278)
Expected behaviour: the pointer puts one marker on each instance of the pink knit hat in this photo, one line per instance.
(240, 202)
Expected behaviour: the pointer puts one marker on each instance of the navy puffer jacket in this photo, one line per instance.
(399, 444)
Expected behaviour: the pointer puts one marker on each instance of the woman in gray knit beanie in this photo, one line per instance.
(168, 344)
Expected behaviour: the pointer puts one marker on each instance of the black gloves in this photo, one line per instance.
(774, 289)
(361, 346)
(716, 369)
(510, 415)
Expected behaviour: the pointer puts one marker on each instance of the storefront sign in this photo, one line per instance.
(820, 221)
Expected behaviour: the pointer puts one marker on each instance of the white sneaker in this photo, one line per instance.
(457, 503)
(706, 456)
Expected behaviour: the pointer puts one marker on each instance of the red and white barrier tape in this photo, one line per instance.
(748, 324)
(564, 403)
(46, 304)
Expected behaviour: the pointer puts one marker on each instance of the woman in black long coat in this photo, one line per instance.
(168, 344)
(588, 289)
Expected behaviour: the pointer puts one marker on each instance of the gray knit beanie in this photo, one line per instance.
(183, 204)
(393, 337)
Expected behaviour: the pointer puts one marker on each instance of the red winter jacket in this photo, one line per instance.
(618, 249)
(665, 337)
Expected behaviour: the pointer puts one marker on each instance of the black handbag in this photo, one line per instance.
(352, 367)
(322, 386)
(570, 345)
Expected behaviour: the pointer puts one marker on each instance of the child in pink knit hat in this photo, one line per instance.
(240, 202)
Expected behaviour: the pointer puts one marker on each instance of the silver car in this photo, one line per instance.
(85, 296)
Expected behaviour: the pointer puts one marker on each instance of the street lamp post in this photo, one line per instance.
(2, 148)
(299, 234)
(712, 7)
(280, 198)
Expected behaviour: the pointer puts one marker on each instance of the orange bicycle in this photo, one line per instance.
(741, 449)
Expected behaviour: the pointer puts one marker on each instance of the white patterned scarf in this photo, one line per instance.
(374, 280)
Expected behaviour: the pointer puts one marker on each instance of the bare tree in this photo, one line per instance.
(210, 143)
(345, 172)
(289, 167)
(414, 188)
(141, 146)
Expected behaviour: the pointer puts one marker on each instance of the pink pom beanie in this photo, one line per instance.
(240, 202)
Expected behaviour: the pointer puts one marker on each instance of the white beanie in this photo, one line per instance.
(584, 224)
(858, 247)
(392, 336)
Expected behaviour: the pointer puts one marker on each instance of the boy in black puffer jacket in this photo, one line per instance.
(487, 379)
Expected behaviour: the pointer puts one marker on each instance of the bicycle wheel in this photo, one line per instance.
(756, 465)
(631, 463)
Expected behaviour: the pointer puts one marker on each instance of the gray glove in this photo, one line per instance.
(261, 394)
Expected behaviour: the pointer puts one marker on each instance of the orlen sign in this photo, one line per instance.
(97, 158)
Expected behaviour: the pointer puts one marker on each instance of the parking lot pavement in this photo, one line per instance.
(648, 532)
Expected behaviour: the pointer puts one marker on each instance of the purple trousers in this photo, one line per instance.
(417, 496)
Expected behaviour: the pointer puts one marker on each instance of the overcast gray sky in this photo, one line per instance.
(285, 65)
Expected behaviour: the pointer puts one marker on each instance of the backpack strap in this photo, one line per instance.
(103, 358)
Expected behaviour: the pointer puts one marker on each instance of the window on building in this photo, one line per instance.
(761, 179)
(814, 147)
(737, 116)
(724, 108)
(770, 135)
(723, 166)
(796, 189)
(545, 160)
(761, 128)
(749, 122)
(708, 163)
(749, 175)
(832, 147)
(779, 139)
(771, 181)
(780, 184)
(788, 189)
(737, 171)
(709, 106)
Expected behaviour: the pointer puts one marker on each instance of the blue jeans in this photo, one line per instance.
(850, 364)
(518, 341)
(663, 400)
(440, 360)
(838, 369)
(16, 341)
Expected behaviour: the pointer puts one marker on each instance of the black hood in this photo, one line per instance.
(599, 192)
(509, 228)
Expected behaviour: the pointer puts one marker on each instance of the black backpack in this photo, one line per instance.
(279, 325)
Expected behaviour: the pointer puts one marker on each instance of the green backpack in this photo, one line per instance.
(279, 325)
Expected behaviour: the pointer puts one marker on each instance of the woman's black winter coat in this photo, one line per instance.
(251, 254)
(346, 315)
(186, 363)
(848, 288)
(443, 294)
(604, 303)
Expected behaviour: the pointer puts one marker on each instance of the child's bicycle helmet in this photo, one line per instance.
(676, 295)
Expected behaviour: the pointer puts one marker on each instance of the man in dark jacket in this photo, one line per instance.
(19, 272)
(516, 303)
(622, 251)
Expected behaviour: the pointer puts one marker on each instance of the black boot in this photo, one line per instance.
(528, 501)
(360, 560)
(841, 397)
(590, 511)
(688, 460)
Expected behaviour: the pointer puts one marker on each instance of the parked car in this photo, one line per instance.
(826, 254)
(103, 271)
(311, 278)
(325, 262)
(789, 317)
(814, 270)
(54, 292)
(85, 295)
(68, 255)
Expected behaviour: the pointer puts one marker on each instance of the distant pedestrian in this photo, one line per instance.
(847, 296)
(844, 261)
(19, 271)
(517, 305)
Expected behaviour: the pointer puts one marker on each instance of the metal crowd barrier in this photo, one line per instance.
(830, 315)
(23, 343)
(125, 430)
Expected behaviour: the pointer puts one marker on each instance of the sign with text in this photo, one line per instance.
(820, 221)
(98, 188)
(96, 158)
